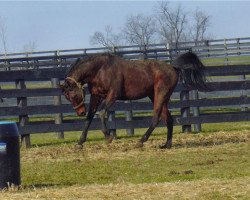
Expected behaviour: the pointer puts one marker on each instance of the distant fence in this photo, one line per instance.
(217, 52)
(186, 103)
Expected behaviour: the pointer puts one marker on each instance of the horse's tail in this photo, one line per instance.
(191, 71)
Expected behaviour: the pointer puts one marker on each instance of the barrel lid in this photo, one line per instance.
(8, 128)
(7, 122)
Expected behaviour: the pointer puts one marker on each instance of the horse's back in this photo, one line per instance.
(150, 70)
(140, 77)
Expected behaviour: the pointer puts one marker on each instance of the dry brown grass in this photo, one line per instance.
(200, 190)
(119, 149)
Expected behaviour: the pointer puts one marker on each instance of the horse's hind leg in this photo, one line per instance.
(159, 99)
(105, 106)
(105, 130)
(168, 120)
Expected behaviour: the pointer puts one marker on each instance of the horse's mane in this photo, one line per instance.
(110, 57)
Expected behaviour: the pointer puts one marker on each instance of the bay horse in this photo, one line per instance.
(111, 78)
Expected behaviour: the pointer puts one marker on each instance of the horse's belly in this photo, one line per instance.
(138, 82)
(137, 91)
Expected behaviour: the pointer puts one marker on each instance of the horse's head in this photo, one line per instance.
(75, 94)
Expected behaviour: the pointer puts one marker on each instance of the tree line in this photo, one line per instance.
(168, 25)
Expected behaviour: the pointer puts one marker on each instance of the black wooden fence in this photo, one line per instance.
(186, 103)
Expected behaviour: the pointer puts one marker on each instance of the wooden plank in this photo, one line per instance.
(138, 122)
(37, 64)
(47, 74)
(32, 75)
(227, 86)
(122, 106)
(217, 118)
(38, 92)
(36, 110)
(233, 101)
(228, 70)
(215, 86)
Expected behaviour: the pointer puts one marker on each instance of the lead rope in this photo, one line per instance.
(81, 87)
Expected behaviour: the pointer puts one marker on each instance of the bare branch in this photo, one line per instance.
(29, 47)
(3, 36)
(139, 29)
(106, 38)
(200, 25)
(172, 23)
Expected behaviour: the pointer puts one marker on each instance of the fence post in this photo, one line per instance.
(243, 93)
(225, 52)
(55, 82)
(207, 44)
(238, 46)
(23, 119)
(111, 118)
(143, 55)
(196, 111)
(185, 111)
(169, 53)
(129, 117)
(7, 65)
(57, 59)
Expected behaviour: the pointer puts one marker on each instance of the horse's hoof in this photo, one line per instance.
(166, 146)
(78, 146)
(109, 139)
(139, 145)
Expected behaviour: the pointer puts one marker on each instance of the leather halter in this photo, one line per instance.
(81, 87)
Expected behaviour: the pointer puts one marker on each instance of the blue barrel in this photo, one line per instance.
(9, 155)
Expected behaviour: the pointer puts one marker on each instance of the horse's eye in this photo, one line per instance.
(68, 87)
(71, 88)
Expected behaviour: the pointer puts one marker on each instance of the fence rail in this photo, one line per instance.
(222, 52)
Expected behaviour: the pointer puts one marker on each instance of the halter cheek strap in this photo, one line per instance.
(81, 87)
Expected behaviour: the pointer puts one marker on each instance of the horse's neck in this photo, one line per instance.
(85, 72)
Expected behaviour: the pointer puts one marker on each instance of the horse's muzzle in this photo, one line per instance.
(81, 111)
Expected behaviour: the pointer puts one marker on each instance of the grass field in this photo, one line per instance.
(210, 165)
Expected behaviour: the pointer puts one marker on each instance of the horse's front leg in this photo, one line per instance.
(93, 105)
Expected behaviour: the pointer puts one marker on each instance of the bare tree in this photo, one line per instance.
(140, 30)
(172, 23)
(200, 25)
(3, 30)
(29, 47)
(106, 38)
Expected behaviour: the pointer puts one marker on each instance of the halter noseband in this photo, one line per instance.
(81, 87)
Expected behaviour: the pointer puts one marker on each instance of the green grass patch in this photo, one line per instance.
(120, 161)
(242, 60)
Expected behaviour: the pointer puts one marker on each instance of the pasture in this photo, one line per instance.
(213, 164)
